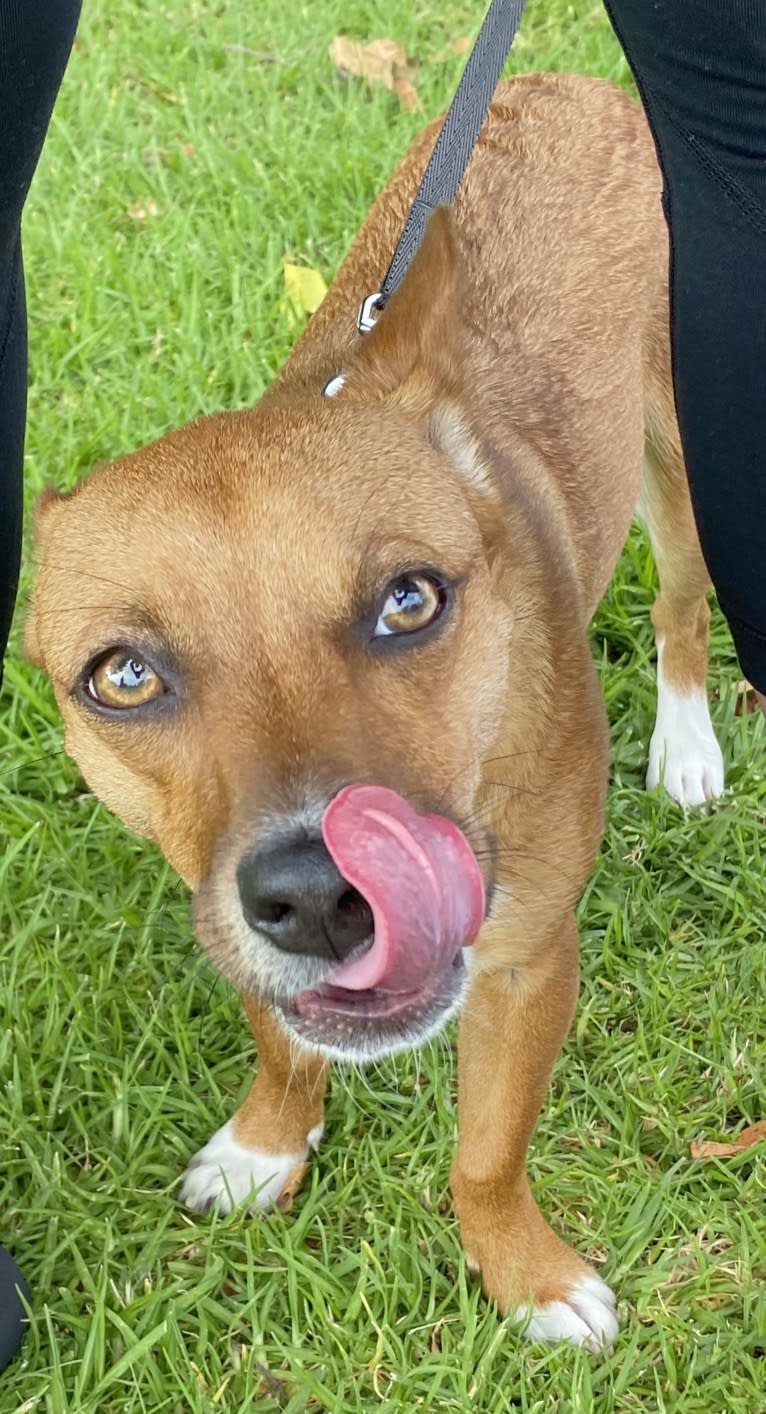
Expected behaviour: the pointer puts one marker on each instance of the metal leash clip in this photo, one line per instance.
(369, 310)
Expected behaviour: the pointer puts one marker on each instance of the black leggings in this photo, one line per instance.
(700, 66)
(701, 69)
(35, 40)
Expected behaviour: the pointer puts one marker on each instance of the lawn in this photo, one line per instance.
(197, 145)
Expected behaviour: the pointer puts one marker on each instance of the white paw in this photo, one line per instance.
(226, 1173)
(687, 763)
(684, 755)
(587, 1317)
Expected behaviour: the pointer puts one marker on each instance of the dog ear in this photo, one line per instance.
(411, 357)
(47, 498)
(45, 501)
(31, 640)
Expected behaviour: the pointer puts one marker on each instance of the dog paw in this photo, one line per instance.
(545, 1288)
(226, 1173)
(586, 1317)
(684, 755)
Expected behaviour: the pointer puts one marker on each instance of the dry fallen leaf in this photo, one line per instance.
(746, 703)
(383, 62)
(276, 1387)
(406, 93)
(375, 62)
(709, 1149)
(305, 288)
(291, 1186)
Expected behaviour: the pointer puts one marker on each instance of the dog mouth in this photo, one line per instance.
(394, 981)
(363, 1023)
(425, 891)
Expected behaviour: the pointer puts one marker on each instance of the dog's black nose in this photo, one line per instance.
(294, 895)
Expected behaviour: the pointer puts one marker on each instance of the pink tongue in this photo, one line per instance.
(421, 879)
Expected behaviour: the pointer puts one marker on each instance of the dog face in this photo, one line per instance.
(238, 625)
(265, 607)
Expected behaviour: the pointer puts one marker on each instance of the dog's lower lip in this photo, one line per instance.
(375, 1002)
(368, 1003)
(363, 1025)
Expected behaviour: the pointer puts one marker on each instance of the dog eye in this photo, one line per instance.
(413, 601)
(123, 679)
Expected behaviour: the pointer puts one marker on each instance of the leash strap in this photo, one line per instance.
(454, 145)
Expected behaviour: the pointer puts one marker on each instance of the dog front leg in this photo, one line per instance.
(512, 1028)
(262, 1152)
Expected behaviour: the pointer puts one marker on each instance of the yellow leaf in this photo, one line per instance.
(305, 288)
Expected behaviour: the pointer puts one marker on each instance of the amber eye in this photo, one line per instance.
(124, 679)
(413, 601)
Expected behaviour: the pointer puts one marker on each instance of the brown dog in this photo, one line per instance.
(331, 655)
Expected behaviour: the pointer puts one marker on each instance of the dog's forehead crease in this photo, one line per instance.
(270, 523)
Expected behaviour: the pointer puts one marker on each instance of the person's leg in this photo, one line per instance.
(13, 400)
(700, 66)
(13, 1317)
(35, 40)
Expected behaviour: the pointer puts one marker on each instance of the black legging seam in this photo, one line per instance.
(753, 212)
(750, 209)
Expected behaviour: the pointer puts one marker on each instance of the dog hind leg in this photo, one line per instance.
(683, 753)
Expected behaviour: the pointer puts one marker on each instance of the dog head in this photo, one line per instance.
(266, 612)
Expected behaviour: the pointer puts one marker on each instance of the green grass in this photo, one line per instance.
(122, 1051)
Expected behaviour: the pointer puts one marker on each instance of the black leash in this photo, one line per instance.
(454, 145)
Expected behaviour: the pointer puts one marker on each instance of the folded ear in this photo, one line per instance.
(412, 356)
(46, 500)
